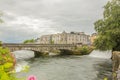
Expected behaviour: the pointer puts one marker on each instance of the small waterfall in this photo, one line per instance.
(101, 54)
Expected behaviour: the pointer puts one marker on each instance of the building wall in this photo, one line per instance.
(45, 39)
(64, 38)
(93, 37)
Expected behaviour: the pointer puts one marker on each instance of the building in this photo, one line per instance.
(93, 37)
(45, 39)
(65, 38)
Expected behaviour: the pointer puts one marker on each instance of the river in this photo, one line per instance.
(66, 67)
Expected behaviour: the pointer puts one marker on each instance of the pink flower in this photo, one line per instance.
(32, 77)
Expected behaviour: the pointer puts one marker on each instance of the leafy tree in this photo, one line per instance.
(84, 50)
(108, 28)
(29, 41)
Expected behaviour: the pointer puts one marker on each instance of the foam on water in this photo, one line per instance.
(21, 56)
(101, 54)
(20, 66)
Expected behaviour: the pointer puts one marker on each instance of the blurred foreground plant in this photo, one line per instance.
(7, 64)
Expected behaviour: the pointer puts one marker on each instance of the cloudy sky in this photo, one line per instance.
(27, 19)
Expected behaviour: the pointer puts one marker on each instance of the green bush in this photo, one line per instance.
(7, 62)
(29, 41)
(84, 50)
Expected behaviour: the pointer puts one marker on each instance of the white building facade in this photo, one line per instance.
(65, 38)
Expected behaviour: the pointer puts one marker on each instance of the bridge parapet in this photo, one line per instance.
(37, 47)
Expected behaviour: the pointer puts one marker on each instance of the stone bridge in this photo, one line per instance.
(38, 47)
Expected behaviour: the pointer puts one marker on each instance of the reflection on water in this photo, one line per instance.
(68, 68)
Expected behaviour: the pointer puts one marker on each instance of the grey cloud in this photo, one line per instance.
(69, 15)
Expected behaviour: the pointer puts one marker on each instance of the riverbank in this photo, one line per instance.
(116, 65)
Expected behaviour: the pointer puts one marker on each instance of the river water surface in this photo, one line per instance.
(67, 68)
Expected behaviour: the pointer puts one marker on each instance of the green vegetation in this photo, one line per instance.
(52, 42)
(108, 28)
(105, 78)
(7, 62)
(84, 50)
(29, 41)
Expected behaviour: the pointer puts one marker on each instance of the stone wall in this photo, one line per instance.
(38, 47)
(116, 65)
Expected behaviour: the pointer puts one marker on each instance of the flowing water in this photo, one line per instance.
(66, 67)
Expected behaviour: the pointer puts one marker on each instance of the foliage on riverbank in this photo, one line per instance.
(29, 41)
(83, 50)
(7, 63)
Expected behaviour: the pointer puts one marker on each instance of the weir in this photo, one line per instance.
(101, 54)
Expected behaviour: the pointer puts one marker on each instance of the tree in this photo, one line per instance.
(29, 41)
(108, 28)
